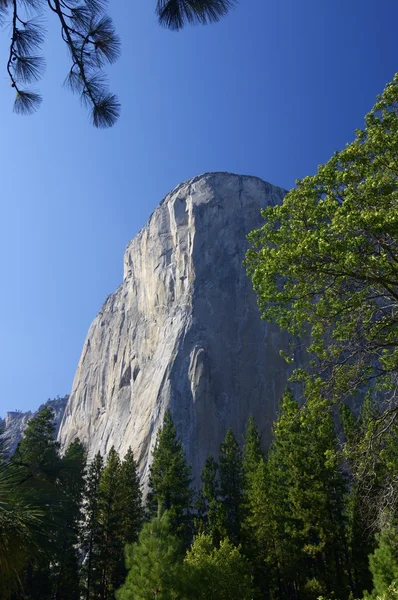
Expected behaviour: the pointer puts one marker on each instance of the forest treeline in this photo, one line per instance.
(296, 523)
(317, 516)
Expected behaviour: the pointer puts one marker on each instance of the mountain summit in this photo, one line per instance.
(182, 331)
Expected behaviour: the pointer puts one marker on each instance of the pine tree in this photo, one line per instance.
(384, 561)
(284, 560)
(66, 568)
(170, 481)
(253, 463)
(110, 517)
(306, 493)
(154, 563)
(91, 530)
(209, 519)
(252, 451)
(38, 451)
(359, 540)
(132, 509)
(38, 461)
(259, 533)
(231, 486)
(3, 453)
(218, 573)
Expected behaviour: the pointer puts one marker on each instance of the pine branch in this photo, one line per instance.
(21, 67)
(92, 42)
(174, 14)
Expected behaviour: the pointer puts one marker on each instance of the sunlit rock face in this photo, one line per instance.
(182, 331)
(16, 421)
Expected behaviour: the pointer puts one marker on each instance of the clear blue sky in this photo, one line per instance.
(272, 91)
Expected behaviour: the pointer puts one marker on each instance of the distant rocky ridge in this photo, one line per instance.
(182, 331)
(16, 421)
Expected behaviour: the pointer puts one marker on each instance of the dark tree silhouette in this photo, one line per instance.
(92, 42)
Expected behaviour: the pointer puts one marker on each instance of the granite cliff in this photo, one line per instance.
(16, 421)
(182, 331)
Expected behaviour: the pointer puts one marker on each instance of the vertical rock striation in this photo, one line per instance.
(182, 331)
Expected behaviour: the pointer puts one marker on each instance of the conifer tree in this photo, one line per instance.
(218, 573)
(38, 461)
(92, 530)
(306, 492)
(153, 563)
(285, 559)
(384, 561)
(359, 538)
(66, 575)
(110, 517)
(170, 481)
(3, 453)
(209, 519)
(38, 451)
(132, 509)
(231, 486)
(252, 451)
(254, 496)
(259, 533)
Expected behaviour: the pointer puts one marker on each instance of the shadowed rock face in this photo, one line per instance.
(182, 331)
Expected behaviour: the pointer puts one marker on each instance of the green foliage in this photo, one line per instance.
(305, 492)
(326, 261)
(384, 561)
(209, 510)
(38, 451)
(23, 527)
(154, 564)
(252, 451)
(132, 510)
(91, 533)
(110, 522)
(66, 567)
(220, 573)
(170, 481)
(231, 486)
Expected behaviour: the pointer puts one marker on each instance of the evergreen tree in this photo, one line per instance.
(38, 461)
(306, 494)
(110, 517)
(132, 510)
(285, 559)
(209, 519)
(92, 530)
(220, 573)
(231, 486)
(38, 451)
(259, 534)
(170, 481)
(154, 564)
(66, 568)
(24, 527)
(360, 541)
(252, 451)
(254, 467)
(3, 453)
(384, 561)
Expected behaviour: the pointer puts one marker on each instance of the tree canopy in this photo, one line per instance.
(325, 263)
(92, 42)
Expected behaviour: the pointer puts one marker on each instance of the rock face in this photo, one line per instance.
(182, 331)
(15, 422)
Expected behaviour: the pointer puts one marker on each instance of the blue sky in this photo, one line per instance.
(272, 91)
